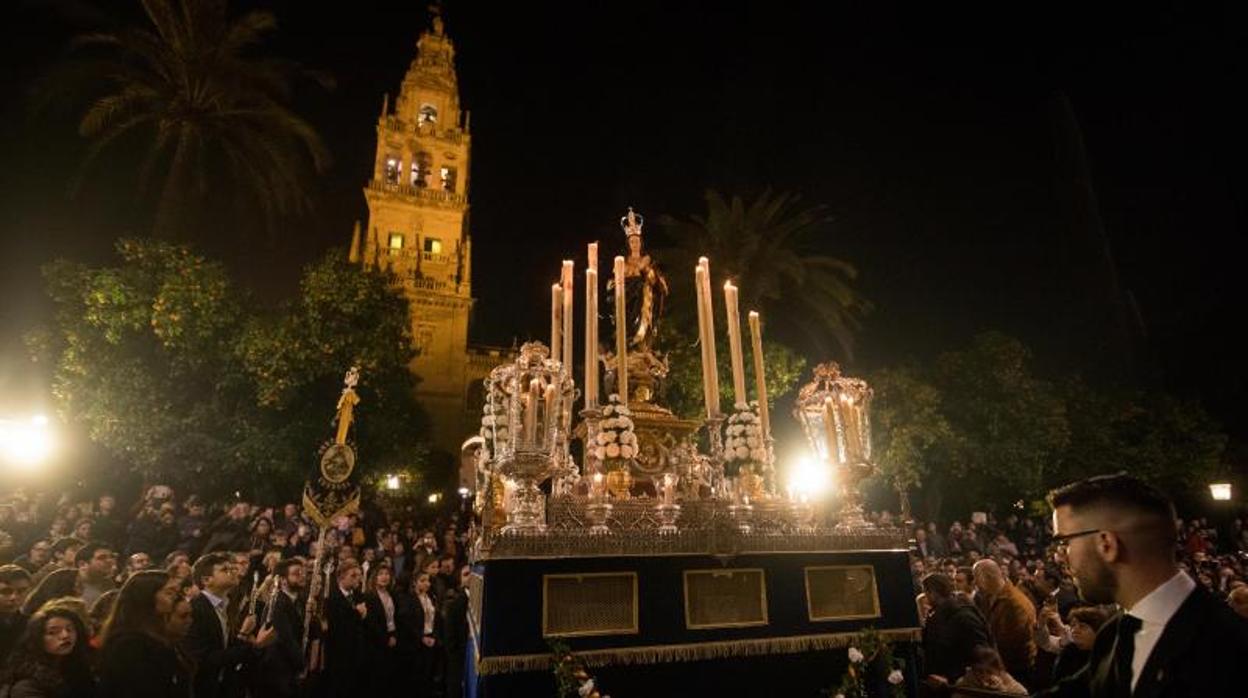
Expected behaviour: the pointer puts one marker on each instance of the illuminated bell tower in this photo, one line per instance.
(417, 225)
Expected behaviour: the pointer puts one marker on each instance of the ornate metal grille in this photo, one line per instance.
(842, 592)
(725, 598)
(589, 604)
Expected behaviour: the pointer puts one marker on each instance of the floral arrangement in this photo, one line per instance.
(571, 678)
(616, 438)
(493, 419)
(868, 648)
(743, 440)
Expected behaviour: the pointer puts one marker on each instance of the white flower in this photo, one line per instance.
(613, 451)
(758, 454)
(626, 451)
(743, 452)
(488, 421)
(611, 436)
(600, 453)
(586, 688)
(895, 677)
(855, 655)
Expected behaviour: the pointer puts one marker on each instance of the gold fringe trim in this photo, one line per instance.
(655, 654)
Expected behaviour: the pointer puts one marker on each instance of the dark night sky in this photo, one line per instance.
(930, 133)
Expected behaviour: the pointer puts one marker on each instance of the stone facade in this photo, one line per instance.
(418, 228)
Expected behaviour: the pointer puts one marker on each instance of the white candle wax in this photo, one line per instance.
(621, 334)
(734, 343)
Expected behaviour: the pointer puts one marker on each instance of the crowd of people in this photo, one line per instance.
(1001, 610)
(179, 598)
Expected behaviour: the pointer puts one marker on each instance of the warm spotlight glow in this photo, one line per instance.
(26, 443)
(392, 482)
(435, 497)
(464, 491)
(809, 479)
(1221, 491)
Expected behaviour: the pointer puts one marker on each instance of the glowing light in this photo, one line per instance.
(435, 497)
(392, 482)
(464, 491)
(1221, 491)
(26, 443)
(809, 479)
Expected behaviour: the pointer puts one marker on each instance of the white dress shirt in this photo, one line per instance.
(219, 605)
(1154, 611)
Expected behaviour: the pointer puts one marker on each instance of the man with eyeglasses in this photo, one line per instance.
(1171, 639)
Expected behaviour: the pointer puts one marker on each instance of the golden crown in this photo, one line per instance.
(632, 223)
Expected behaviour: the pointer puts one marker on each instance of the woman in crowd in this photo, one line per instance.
(380, 628)
(988, 671)
(58, 584)
(420, 636)
(51, 660)
(1084, 622)
(138, 657)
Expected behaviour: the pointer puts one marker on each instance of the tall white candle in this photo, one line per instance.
(734, 343)
(530, 411)
(551, 412)
(621, 333)
(593, 256)
(713, 370)
(703, 338)
(591, 342)
(556, 326)
(566, 282)
(760, 380)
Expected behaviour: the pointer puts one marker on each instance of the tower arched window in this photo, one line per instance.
(448, 178)
(422, 165)
(393, 168)
(428, 114)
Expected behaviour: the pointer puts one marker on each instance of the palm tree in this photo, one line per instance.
(208, 108)
(770, 248)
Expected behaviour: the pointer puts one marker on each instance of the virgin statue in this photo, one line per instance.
(645, 288)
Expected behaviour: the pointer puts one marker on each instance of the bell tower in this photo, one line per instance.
(417, 225)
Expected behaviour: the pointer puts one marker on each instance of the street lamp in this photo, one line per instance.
(25, 442)
(1221, 491)
(392, 482)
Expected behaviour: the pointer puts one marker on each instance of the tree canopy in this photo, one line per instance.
(193, 93)
(980, 427)
(177, 374)
(771, 246)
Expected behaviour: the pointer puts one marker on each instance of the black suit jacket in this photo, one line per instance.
(344, 641)
(136, 665)
(951, 633)
(1202, 652)
(219, 663)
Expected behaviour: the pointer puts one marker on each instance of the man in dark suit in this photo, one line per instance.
(219, 655)
(953, 629)
(281, 663)
(1172, 639)
(344, 640)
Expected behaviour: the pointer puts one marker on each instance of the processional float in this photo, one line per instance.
(670, 540)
